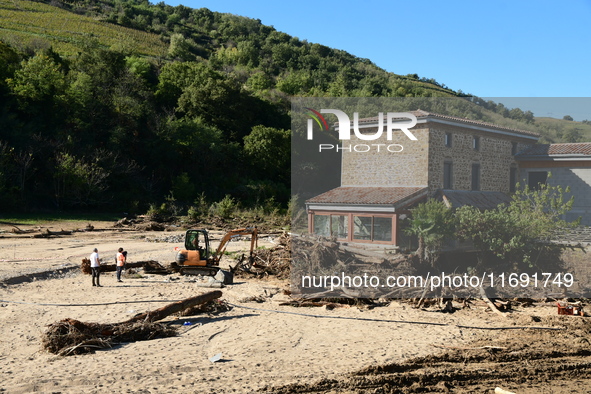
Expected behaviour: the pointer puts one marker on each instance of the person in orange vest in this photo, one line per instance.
(121, 257)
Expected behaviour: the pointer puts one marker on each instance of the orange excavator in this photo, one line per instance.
(197, 257)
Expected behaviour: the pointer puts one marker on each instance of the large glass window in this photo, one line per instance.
(362, 227)
(372, 228)
(322, 225)
(339, 226)
(382, 229)
(365, 227)
(331, 225)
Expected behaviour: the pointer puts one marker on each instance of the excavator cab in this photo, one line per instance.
(195, 259)
(198, 240)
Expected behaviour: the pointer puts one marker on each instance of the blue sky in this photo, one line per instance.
(492, 49)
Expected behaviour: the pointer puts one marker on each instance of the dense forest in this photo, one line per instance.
(119, 104)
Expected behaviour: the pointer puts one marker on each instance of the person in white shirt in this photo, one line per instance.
(95, 266)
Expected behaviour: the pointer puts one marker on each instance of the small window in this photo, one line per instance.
(536, 178)
(513, 148)
(447, 140)
(475, 176)
(447, 175)
(476, 143)
(512, 179)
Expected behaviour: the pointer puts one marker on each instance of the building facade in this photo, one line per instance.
(566, 165)
(381, 180)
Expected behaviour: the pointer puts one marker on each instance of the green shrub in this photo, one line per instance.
(225, 208)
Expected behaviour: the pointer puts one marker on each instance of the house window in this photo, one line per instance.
(536, 178)
(322, 225)
(476, 143)
(332, 225)
(372, 228)
(362, 228)
(447, 140)
(447, 175)
(382, 229)
(513, 148)
(512, 179)
(339, 226)
(475, 176)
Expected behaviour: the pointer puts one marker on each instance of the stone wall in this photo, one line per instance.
(494, 156)
(380, 167)
(420, 163)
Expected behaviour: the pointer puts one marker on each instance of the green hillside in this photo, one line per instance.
(33, 25)
(126, 104)
(560, 130)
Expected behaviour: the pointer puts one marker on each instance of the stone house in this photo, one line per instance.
(569, 165)
(464, 161)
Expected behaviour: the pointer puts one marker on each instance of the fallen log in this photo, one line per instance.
(49, 233)
(85, 266)
(175, 307)
(16, 230)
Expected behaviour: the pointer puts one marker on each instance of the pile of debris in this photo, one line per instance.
(178, 238)
(268, 262)
(142, 223)
(70, 336)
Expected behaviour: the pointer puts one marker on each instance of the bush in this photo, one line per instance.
(199, 210)
(225, 208)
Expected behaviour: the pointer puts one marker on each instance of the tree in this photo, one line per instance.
(269, 150)
(568, 117)
(431, 222)
(39, 83)
(77, 182)
(180, 48)
(572, 135)
(519, 231)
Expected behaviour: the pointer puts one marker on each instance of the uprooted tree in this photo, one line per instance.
(70, 336)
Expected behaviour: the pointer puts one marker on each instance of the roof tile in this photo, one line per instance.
(367, 195)
(581, 148)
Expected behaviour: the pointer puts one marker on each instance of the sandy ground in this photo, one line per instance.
(263, 345)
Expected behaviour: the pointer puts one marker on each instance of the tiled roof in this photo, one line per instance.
(368, 195)
(579, 149)
(420, 114)
(476, 199)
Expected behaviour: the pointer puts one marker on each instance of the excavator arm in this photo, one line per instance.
(252, 231)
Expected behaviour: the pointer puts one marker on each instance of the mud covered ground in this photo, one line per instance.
(518, 361)
(266, 345)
